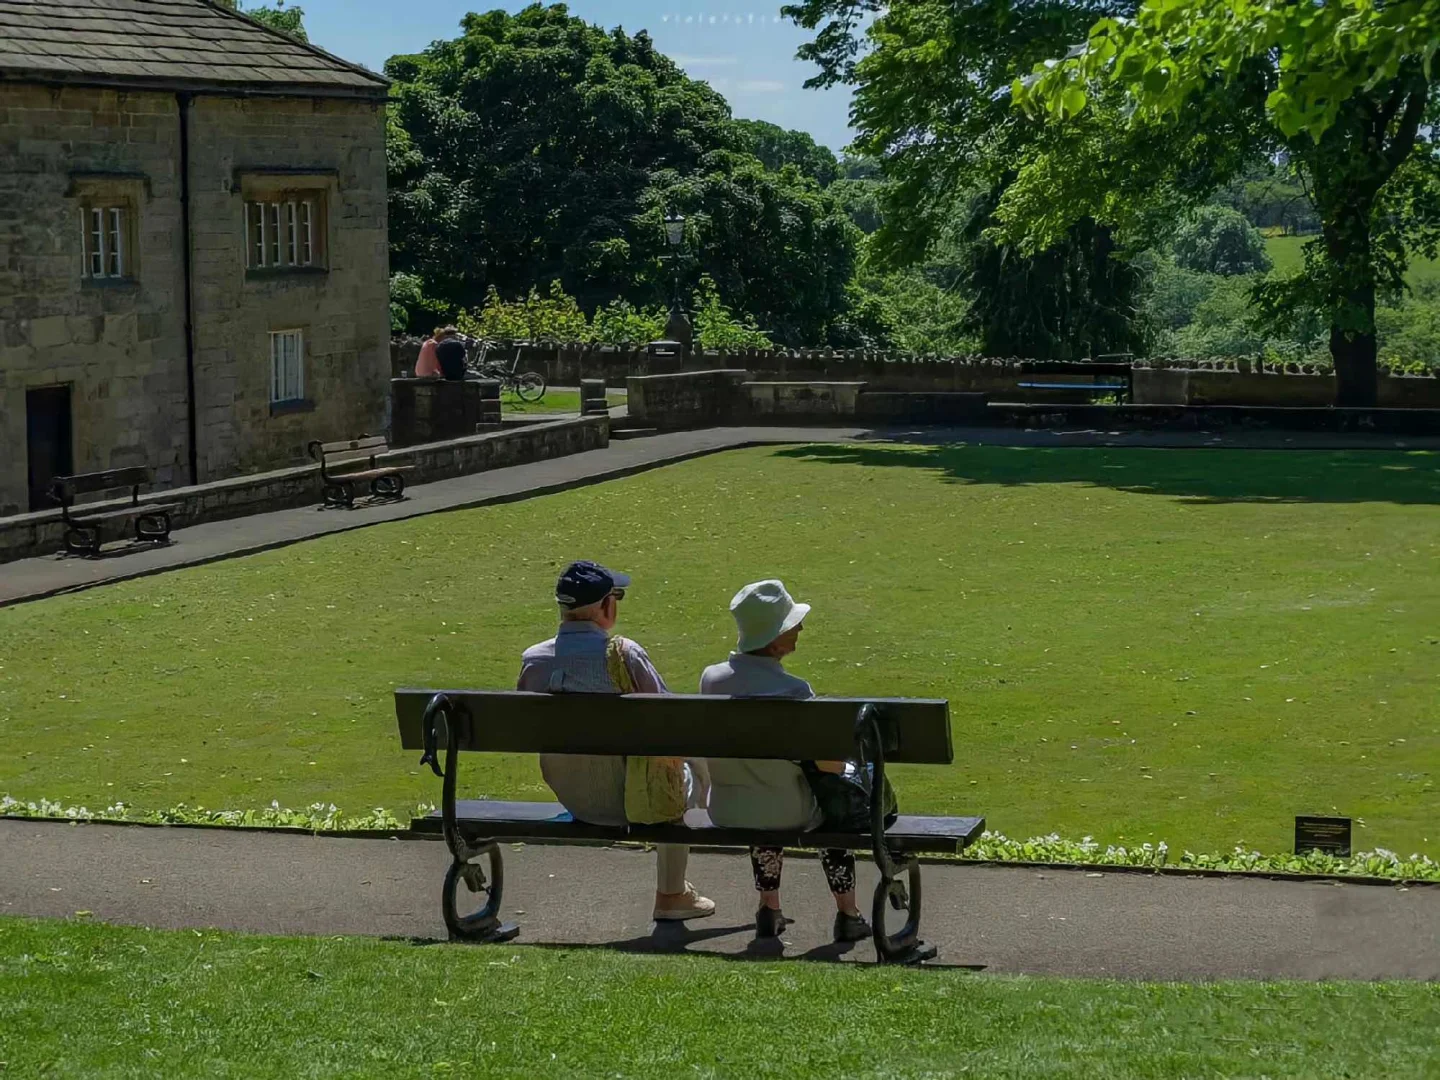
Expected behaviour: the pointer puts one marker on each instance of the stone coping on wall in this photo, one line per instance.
(42, 532)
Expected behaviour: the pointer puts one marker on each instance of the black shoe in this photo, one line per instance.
(769, 922)
(851, 927)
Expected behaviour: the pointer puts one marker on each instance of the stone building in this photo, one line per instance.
(193, 261)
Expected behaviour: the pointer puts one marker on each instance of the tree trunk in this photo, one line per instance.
(1352, 309)
(1356, 373)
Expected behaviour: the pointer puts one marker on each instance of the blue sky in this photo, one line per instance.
(743, 49)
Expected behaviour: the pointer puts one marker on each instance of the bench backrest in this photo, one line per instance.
(682, 725)
(65, 488)
(361, 449)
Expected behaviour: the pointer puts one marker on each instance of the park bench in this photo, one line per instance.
(85, 529)
(338, 489)
(1095, 377)
(445, 723)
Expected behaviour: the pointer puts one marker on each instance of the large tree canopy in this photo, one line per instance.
(1343, 89)
(931, 106)
(537, 147)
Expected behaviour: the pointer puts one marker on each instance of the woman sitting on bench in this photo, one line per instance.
(755, 794)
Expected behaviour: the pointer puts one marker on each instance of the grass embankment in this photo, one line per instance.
(94, 1001)
(1141, 645)
(1286, 252)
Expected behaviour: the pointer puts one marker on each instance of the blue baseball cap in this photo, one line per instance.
(584, 583)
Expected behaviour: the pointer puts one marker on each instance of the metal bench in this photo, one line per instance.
(338, 489)
(84, 529)
(1101, 376)
(443, 724)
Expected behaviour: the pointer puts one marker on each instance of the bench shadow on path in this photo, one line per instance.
(1201, 475)
(677, 940)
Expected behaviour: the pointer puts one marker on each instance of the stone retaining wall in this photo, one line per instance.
(42, 533)
(1156, 382)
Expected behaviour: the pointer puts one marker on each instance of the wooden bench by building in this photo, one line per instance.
(338, 488)
(86, 530)
(443, 724)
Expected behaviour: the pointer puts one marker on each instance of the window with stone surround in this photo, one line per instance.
(284, 233)
(108, 219)
(287, 366)
(284, 219)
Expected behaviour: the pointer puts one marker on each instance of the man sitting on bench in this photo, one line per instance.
(592, 787)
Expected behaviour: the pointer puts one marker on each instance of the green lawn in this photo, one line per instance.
(95, 1001)
(553, 401)
(1137, 644)
(1286, 254)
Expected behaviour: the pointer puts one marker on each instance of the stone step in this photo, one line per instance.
(633, 432)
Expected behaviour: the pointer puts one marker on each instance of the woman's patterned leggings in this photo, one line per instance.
(838, 864)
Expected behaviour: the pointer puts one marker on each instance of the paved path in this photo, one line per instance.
(33, 579)
(1005, 919)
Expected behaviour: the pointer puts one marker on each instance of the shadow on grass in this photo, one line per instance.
(677, 940)
(1200, 475)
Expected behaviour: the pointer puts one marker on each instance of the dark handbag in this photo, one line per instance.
(844, 799)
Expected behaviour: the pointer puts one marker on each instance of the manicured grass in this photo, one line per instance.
(91, 1001)
(553, 401)
(1287, 255)
(1191, 646)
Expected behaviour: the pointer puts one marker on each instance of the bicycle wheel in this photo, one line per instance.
(530, 386)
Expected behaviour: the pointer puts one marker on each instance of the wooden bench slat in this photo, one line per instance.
(370, 444)
(80, 517)
(371, 474)
(85, 483)
(682, 725)
(551, 821)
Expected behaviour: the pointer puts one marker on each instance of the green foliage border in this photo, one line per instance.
(1378, 865)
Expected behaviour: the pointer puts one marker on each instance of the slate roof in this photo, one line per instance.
(167, 43)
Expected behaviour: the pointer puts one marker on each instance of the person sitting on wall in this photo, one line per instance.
(451, 353)
(428, 365)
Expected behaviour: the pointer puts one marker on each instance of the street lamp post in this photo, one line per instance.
(678, 328)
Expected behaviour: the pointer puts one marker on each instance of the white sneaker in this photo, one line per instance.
(686, 905)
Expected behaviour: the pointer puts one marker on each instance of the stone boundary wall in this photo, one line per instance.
(42, 533)
(1157, 381)
(724, 397)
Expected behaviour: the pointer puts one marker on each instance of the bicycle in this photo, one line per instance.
(526, 385)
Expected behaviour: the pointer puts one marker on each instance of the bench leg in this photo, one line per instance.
(904, 947)
(388, 487)
(483, 925)
(80, 540)
(154, 528)
(334, 494)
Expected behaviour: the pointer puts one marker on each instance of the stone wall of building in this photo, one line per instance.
(118, 344)
(246, 148)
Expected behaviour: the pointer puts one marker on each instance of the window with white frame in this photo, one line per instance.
(105, 248)
(287, 365)
(284, 231)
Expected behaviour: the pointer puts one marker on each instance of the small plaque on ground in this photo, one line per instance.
(1328, 834)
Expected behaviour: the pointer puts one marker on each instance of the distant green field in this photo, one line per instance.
(1286, 254)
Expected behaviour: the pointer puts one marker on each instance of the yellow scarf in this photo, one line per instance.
(654, 786)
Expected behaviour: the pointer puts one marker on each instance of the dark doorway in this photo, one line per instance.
(47, 441)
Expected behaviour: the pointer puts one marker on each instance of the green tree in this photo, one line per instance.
(930, 107)
(777, 147)
(289, 20)
(1343, 88)
(539, 148)
(1218, 240)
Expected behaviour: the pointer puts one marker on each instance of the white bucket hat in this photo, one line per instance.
(763, 611)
